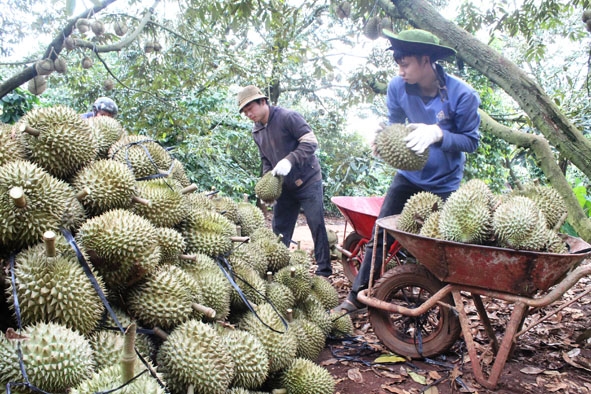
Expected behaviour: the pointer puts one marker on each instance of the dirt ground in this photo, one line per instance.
(552, 357)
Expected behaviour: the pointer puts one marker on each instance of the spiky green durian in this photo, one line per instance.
(178, 173)
(298, 279)
(167, 207)
(226, 207)
(55, 288)
(262, 233)
(56, 357)
(269, 328)
(251, 364)
(207, 232)
(269, 187)
(199, 202)
(313, 310)
(41, 207)
(310, 338)
(104, 185)
(416, 210)
(252, 286)
(58, 140)
(276, 252)
(548, 200)
(250, 218)
(342, 325)
(251, 255)
(11, 147)
(107, 347)
(372, 28)
(280, 296)
(164, 298)
(106, 131)
(215, 288)
(172, 244)
(431, 226)
(305, 377)
(519, 224)
(480, 187)
(142, 154)
(122, 246)
(466, 217)
(554, 243)
(323, 290)
(143, 342)
(109, 378)
(300, 256)
(391, 147)
(74, 214)
(194, 354)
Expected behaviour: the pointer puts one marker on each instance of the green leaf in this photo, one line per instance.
(70, 7)
(417, 378)
(389, 358)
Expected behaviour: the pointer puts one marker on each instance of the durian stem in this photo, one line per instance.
(49, 240)
(270, 276)
(240, 239)
(245, 197)
(189, 189)
(289, 315)
(160, 333)
(207, 311)
(142, 201)
(128, 358)
(29, 130)
(239, 231)
(279, 391)
(560, 222)
(18, 195)
(192, 257)
(83, 193)
(292, 272)
(191, 389)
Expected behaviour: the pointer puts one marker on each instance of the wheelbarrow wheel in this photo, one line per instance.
(431, 333)
(351, 264)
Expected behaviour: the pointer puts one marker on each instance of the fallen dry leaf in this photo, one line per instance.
(431, 390)
(330, 361)
(553, 387)
(417, 378)
(355, 375)
(531, 370)
(434, 375)
(393, 389)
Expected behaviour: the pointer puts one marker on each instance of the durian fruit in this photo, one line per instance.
(74, 214)
(120, 28)
(166, 298)
(143, 342)
(207, 232)
(195, 355)
(97, 27)
(310, 338)
(385, 23)
(253, 287)
(269, 187)
(342, 325)
(107, 346)
(178, 172)
(37, 85)
(44, 67)
(466, 217)
(199, 202)
(323, 290)
(122, 246)
(104, 185)
(372, 28)
(60, 65)
(548, 200)
(343, 9)
(167, 206)
(149, 46)
(391, 147)
(305, 377)
(554, 243)
(480, 187)
(276, 253)
(250, 255)
(215, 288)
(83, 25)
(11, 148)
(51, 286)
(145, 156)
(519, 224)
(31, 202)
(431, 226)
(251, 364)
(262, 233)
(250, 218)
(300, 256)
(416, 210)
(269, 328)
(312, 310)
(226, 207)
(106, 131)
(280, 296)
(56, 357)
(172, 244)
(298, 279)
(58, 139)
(86, 62)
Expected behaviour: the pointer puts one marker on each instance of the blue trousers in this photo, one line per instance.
(399, 192)
(285, 216)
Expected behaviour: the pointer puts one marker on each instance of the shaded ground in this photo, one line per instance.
(552, 357)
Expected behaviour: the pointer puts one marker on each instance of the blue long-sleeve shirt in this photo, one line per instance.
(458, 118)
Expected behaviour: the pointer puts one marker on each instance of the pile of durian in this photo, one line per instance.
(526, 219)
(102, 232)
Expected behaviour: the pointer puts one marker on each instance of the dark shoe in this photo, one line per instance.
(350, 307)
(324, 274)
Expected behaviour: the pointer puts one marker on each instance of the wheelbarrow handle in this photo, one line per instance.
(582, 251)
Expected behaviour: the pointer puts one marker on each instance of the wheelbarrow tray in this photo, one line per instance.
(506, 270)
(360, 212)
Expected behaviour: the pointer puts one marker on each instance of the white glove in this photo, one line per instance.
(282, 168)
(422, 136)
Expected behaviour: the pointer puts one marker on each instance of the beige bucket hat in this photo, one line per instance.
(248, 94)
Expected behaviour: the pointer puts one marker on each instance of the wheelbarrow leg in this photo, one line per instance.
(506, 344)
(485, 321)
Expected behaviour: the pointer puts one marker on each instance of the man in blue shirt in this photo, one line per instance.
(441, 111)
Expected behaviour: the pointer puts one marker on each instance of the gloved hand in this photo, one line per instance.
(422, 136)
(282, 168)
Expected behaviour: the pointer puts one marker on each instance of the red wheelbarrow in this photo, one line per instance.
(361, 213)
(417, 310)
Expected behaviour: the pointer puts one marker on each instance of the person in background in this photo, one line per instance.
(103, 106)
(286, 145)
(441, 113)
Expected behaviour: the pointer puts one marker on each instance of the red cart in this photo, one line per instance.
(361, 213)
(417, 310)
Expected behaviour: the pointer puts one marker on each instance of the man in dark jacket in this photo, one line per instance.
(287, 144)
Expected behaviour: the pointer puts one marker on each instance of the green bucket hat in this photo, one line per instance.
(419, 42)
